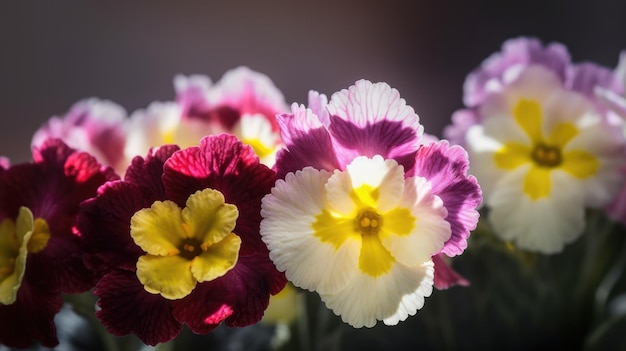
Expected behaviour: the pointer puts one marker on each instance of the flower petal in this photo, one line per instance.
(557, 219)
(371, 119)
(218, 259)
(158, 230)
(207, 218)
(390, 298)
(168, 276)
(307, 142)
(445, 167)
(125, 307)
(429, 232)
(238, 298)
(30, 318)
(287, 228)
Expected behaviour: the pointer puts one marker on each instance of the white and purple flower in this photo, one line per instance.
(363, 205)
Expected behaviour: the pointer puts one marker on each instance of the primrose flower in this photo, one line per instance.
(504, 67)
(542, 146)
(40, 256)
(617, 208)
(243, 103)
(91, 125)
(177, 241)
(364, 205)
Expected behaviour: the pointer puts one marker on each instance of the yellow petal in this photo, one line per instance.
(537, 182)
(169, 276)
(562, 134)
(374, 260)
(528, 115)
(511, 156)
(399, 221)
(580, 164)
(331, 229)
(217, 260)
(207, 218)
(158, 230)
(13, 258)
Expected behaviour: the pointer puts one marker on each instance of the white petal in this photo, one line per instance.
(481, 149)
(288, 214)
(543, 225)
(431, 230)
(390, 298)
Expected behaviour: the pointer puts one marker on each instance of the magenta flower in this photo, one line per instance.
(91, 125)
(177, 241)
(357, 180)
(40, 256)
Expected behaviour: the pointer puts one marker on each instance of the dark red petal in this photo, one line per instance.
(148, 171)
(239, 298)
(30, 318)
(125, 308)
(104, 223)
(223, 163)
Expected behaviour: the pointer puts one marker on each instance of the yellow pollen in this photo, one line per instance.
(546, 156)
(190, 248)
(368, 221)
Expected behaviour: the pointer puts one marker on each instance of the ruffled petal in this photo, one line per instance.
(238, 298)
(390, 298)
(585, 77)
(429, 232)
(158, 230)
(445, 167)
(371, 119)
(125, 308)
(168, 276)
(104, 223)
(296, 248)
(307, 143)
(217, 259)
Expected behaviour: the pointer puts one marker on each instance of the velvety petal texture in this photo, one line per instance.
(51, 189)
(210, 267)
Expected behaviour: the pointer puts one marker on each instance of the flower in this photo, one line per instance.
(518, 54)
(542, 146)
(92, 125)
(243, 103)
(177, 241)
(363, 205)
(40, 256)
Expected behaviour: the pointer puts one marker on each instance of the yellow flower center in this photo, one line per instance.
(545, 153)
(368, 225)
(368, 222)
(185, 246)
(546, 156)
(15, 242)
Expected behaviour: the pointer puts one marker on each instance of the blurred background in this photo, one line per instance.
(54, 53)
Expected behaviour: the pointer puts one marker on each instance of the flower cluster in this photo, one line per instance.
(201, 211)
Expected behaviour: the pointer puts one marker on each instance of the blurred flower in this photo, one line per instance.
(540, 142)
(40, 256)
(364, 205)
(92, 125)
(243, 103)
(177, 241)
